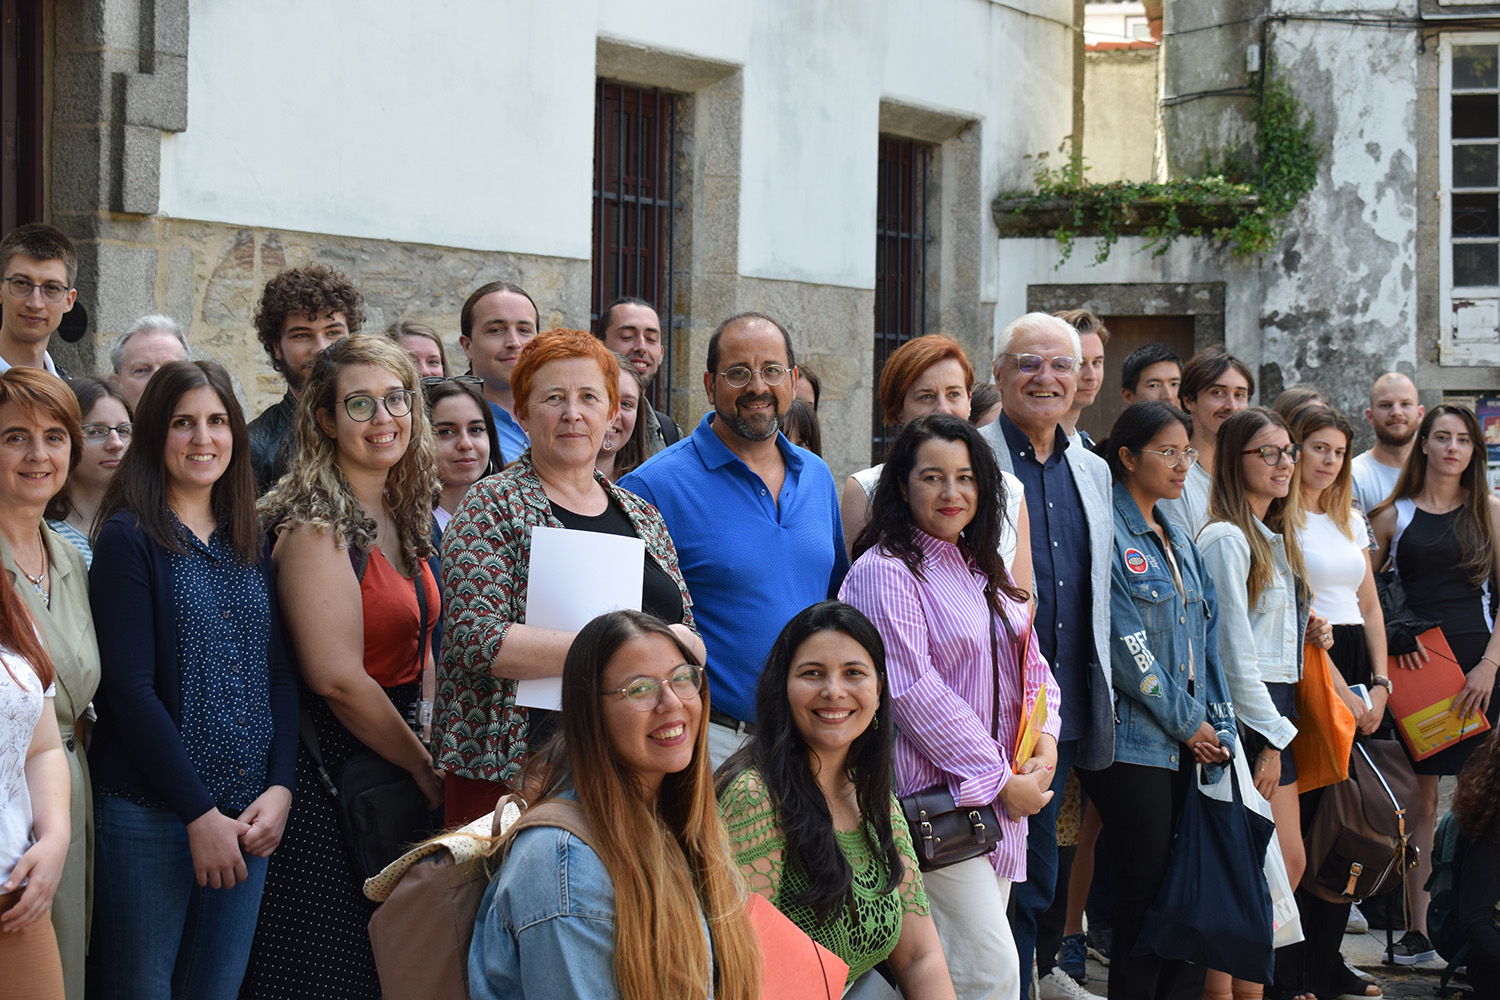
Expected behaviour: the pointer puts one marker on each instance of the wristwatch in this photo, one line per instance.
(1382, 681)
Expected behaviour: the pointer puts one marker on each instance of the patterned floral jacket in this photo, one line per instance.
(481, 732)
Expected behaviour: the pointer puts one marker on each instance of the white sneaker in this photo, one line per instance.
(1357, 923)
(1058, 985)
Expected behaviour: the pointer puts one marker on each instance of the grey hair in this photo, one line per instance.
(1035, 322)
(145, 325)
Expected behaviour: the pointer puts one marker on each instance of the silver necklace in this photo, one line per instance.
(37, 581)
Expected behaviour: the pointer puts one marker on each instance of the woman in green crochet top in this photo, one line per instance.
(810, 809)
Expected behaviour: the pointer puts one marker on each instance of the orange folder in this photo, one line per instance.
(793, 965)
(1422, 703)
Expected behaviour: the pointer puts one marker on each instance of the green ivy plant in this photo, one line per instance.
(1239, 204)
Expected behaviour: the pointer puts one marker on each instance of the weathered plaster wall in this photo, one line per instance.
(1119, 116)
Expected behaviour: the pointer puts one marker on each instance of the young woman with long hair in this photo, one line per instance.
(929, 574)
(1262, 619)
(624, 444)
(808, 804)
(197, 736)
(464, 437)
(1440, 529)
(652, 907)
(34, 823)
(107, 428)
(353, 528)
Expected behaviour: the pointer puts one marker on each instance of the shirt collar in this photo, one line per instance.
(47, 364)
(716, 454)
(1018, 442)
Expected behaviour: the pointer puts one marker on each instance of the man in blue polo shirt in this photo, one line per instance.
(755, 518)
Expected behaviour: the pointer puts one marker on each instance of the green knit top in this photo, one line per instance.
(863, 940)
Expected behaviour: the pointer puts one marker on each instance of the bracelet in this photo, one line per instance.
(1490, 659)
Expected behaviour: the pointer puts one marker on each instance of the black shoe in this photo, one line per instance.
(1411, 949)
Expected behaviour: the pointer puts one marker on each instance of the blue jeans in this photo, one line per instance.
(157, 933)
(1034, 895)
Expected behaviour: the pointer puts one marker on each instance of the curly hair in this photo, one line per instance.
(315, 491)
(304, 291)
(1476, 800)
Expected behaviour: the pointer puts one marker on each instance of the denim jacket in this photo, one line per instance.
(1153, 631)
(1262, 644)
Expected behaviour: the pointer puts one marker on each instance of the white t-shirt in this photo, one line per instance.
(1373, 482)
(1335, 567)
(20, 709)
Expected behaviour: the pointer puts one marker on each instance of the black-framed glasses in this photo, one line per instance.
(433, 381)
(100, 432)
(1031, 364)
(361, 405)
(1173, 457)
(739, 376)
(644, 693)
(52, 291)
(1272, 455)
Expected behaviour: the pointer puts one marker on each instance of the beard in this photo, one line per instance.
(756, 428)
(1389, 437)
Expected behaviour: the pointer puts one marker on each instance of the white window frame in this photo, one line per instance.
(1448, 352)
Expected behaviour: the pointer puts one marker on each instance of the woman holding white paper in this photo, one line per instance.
(566, 385)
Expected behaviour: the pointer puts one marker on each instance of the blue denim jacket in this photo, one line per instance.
(1153, 630)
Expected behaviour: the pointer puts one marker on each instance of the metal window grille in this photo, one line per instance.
(634, 192)
(20, 113)
(900, 261)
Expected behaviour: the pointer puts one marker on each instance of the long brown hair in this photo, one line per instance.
(140, 483)
(1286, 516)
(18, 634)
(1475, 534)
(667, 863)
(1476, 800)
(1228, 501)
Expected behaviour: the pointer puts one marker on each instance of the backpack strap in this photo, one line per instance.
(564, 813)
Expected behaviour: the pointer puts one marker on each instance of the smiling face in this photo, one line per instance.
(144, 354)
(833, 691)
(305, 336)
(635, 332)
(1035, 403)
(653, 744)
(199, 444)
(34, 452)
(31, 320)
(753, 411)
(941, 388)
(1090, 371)
(566, 413)
(424, 354)
(1148, 474)
(461, 438)
(503, 323)
(1449, 447)
(101, 458)
(376, 444)
(1262, 481)
(1323, 454)
(940, 489)
(623, 424)
(1226, 396)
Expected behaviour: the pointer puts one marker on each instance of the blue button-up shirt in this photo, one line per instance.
(223, 631)
(513, 439)
(1060, 564)
(751, 560)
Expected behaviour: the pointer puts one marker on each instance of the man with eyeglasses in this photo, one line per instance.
(39, 268)
(1215, 386)
(1072, 533)
(755, 519)
(632, 329)
(302, 311)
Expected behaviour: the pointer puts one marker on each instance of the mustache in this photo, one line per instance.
(765, 397)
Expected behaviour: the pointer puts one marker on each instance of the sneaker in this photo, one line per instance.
(1357, 923)
(1074, 958)
(1058, 985)
(1098, 947)
(1411, 949)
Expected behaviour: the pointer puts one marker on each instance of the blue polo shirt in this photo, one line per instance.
(513, 440)
(1060, 561)
(751, 562)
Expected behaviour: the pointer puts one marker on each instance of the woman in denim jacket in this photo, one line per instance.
(1263, 617)
(1172, 703)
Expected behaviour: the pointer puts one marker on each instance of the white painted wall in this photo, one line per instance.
(469, 123)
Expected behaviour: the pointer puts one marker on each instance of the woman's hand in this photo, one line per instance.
(1205, 745)
(42, 864)
(1267, 773)
(1370, 721)
(1319, 632)
(1025, 797)
(1413, 661)
(1042, 765)
(430, 782)
(692, 640)
(1474, 698)
(266, 817)
(214, 840)
(1357, 708)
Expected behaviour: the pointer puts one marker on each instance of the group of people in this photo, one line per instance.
(1001, 605)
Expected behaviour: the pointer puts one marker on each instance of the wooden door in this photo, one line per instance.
(1126, 333)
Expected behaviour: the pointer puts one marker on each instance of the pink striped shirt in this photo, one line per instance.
(937, 645)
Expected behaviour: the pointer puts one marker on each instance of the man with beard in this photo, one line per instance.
(631, 328)
(1394, 414)
(301, 312)
(755, 519)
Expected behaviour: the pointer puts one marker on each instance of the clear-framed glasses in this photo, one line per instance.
(361, 405)
(19, 287)
(97, 433)
(1186, 458)
(739, 376)
(1272, 455)
(1031, 364)
(433, 381)
(644, 693)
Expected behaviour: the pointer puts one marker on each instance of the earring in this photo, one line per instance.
(607, 445)
(874, 720)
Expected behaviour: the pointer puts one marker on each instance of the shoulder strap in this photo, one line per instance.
(563, 813)
(422, 631)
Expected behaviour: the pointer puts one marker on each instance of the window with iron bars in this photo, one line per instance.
(900, 262)
(634, 191)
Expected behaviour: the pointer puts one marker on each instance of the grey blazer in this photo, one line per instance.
(1091, 475)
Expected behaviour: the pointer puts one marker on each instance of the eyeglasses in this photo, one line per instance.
(644, 693)
(52, 291)
(361, 405)
(1031, 364)
(433, 381)
(100, 432)
(739, 376)
(1272, 455)
(1173, 457)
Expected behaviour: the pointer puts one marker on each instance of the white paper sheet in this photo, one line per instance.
(576, 576)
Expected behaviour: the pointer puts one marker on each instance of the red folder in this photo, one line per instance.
(1422, 702)
(793, 965)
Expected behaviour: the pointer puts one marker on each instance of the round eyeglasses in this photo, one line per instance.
(433, 381)
(20, 288)
(1272, 455)
(739, 376)
(1031, 364)
(361, 405)
(644, 693)
(1186, 458)
(100, 432)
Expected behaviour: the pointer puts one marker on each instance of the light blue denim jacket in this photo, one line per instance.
(1258, 645)
(1153, 631)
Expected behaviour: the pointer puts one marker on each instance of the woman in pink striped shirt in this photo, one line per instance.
(957, 633)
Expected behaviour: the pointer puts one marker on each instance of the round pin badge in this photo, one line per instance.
(1135, 560)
